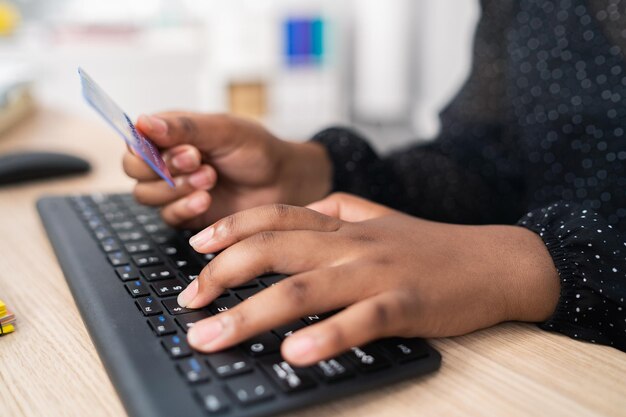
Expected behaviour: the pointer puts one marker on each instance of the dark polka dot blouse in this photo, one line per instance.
(536, 137)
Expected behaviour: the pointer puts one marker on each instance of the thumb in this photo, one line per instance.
(349, 208)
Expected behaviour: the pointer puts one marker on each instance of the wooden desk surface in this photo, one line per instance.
(49, 366)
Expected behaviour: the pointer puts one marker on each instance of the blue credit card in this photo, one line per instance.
(115, 116)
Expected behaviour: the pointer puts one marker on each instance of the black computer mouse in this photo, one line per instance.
(26, 166)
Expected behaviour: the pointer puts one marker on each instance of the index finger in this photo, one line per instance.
(211, 133)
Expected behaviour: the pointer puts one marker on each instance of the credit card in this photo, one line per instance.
(118, 120)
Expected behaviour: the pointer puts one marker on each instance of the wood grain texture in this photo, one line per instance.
(49, 366)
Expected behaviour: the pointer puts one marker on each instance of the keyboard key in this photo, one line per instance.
(139, 246)
(193, 370)
(151, 228)
(174, 309)
(149, 306)
(115, 216)
(137, 289)
(186, 321)
(213, 399)
(315, 318)
(269, 280)
(229, 362)
(163, 238)
(127, 272)
(244, 294)
(404, 350)
(125, 225)
(130, 236)
(168, 287)
(176, 346)
(223, 303)
(162, 325)
(367, 358)
(147, 259)
(286, 377)
(262, 344)
(288, 329)
(109, 245)
(250, 284)
(154, 273)
(189, 275)
(250, 389)
(169, 250)
(94, 223)
(333, 370)
(208, 257)
(146, 218)
(102, 233)
(117, 258)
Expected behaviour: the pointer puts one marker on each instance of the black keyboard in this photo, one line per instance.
(125, 268)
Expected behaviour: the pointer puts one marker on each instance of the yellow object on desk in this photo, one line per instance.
(9, 18)
(7, 319)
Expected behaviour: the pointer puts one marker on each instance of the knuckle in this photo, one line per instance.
(380, 315)
(296, 290)
(187, 126)
(228, 225)
(236, 318)
(265, 238)
(281, 211)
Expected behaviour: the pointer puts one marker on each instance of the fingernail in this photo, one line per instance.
(188, 294)
(203, 334)
(202, 238)
(197, 203)
(184, 160)
(157, 125)
(200, 180)
(299, 347)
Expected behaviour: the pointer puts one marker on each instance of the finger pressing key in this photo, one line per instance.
(294, 297)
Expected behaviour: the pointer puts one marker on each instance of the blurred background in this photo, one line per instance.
(386, 67)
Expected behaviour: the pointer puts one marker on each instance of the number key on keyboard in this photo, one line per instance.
(139, 246)
(147, 259)
(168, 287)
(154, 273)
(174, 309)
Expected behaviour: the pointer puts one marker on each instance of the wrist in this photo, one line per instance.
(306, 172)
(531, 286)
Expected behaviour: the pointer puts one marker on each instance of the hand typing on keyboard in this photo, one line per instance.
(396, 275)
(392, 274)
